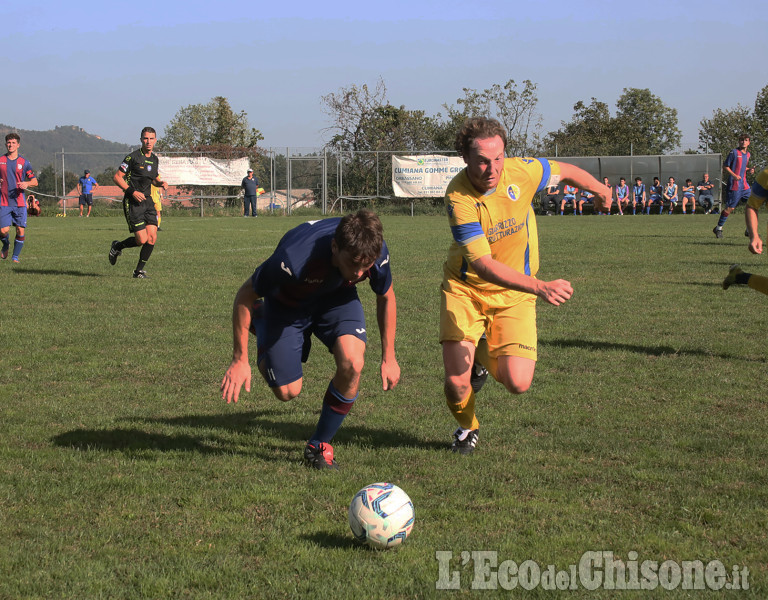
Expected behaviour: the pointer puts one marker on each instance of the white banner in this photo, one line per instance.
(199, 170)
(425, 176)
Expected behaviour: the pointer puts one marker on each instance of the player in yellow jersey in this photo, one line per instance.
(489, 289)
(757, 197)
(157, 199)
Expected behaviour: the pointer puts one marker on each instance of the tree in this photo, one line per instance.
(49, 181)
(643, 125)
(210, 125)
(364, 123)
(589, 133)
(514, 109)
(215, 129)
(720, 133)
(106, 177)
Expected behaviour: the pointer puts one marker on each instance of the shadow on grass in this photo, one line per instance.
(131, 440)
(135, 439)
(646, 350)
(329, 540)
(71, 273)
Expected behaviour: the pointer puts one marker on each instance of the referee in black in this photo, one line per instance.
(136, 175)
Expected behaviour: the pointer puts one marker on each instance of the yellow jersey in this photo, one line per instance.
(759, 190)
(500, 222)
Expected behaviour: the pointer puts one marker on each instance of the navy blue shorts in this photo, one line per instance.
(284, 335)
(736, 196)
(13, 215)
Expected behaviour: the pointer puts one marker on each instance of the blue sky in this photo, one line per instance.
(112, 68)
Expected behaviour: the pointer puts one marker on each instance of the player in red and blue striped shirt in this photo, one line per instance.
(16, 175)
(738, 188)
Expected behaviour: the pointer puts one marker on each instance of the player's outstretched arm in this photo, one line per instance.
(581, 179)
(239, 371)
(555, 292)
(386, 317)
(755, 243)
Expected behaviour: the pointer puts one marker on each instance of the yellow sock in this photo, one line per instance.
(759, 283)
(464, 412)
(484, 358)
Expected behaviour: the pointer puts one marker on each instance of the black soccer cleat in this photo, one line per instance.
(140, 274)
(718, 231)
(478, 377)
(464, 440)
(114, 253)
(730, 279)
(319, 455)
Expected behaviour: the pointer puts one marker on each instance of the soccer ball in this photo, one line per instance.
(381, 515)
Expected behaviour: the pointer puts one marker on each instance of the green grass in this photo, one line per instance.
(124, 475)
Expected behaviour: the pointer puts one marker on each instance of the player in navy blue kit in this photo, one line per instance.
(735, 166)
(308, 286)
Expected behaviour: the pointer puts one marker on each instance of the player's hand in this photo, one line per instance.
(239, 373)
(139, 197)
(756, 245)
(390, 374)
(555, 292)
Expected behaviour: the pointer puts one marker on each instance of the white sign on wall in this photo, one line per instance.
(425, 176)
(200, 170)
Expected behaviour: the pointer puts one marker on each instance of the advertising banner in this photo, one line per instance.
(424, 176)
(199, 170)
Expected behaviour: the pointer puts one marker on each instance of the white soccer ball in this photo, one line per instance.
(381, 515)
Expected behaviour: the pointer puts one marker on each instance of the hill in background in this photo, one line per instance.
(39, 147)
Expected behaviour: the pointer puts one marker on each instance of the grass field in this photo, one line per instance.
(124, 475)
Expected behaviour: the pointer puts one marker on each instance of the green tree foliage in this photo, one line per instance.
(643, 125)
(645, 122)
(107, 176)
(363, 123)
(589, 133)
(217, 131)
(720, 133)
(49, 181)
(214, 124)
(514, 108)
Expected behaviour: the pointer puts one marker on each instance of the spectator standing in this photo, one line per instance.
(85, 187)
(250, 187)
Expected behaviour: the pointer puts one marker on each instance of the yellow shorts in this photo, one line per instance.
(507, 318)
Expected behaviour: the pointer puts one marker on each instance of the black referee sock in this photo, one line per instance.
(146, 252)
(127, 243)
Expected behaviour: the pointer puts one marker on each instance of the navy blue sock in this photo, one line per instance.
(721, 220)
(335, 409)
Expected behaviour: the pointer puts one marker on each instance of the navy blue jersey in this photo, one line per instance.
(300, 271)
